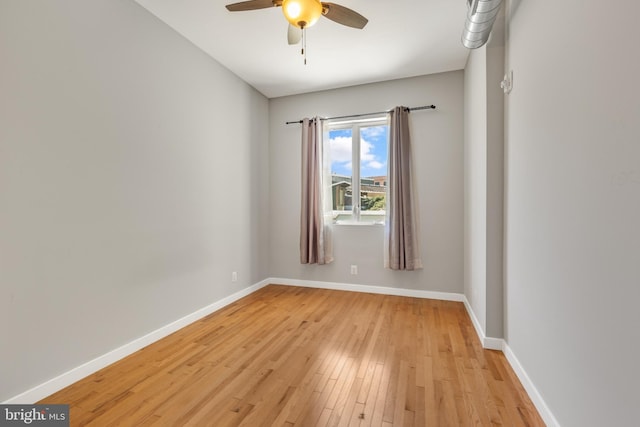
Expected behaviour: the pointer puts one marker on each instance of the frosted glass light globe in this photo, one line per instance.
(302, 13)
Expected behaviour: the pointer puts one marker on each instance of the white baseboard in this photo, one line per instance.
(487, 342)
(501, 344)
(383, 290)
(532, 391)
(55, 384)
(492, 343)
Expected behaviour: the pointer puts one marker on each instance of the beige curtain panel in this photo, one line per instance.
(315, 237)
(402, 250)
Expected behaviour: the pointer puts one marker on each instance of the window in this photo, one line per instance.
(357, 168)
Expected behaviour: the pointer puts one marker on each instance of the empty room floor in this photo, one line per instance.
(294, 356)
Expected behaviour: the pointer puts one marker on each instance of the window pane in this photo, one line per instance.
(340, 147)
(373, 172)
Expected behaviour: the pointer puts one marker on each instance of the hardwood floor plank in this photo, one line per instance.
(294, 356)
(369, 401)
(399, 401)
(324, 418)
(348, 413)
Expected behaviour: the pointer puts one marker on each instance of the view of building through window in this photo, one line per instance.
(364, 144)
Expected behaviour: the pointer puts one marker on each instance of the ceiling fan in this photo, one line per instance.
(302, 14)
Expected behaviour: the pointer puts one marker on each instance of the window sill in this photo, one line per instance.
(360, 223)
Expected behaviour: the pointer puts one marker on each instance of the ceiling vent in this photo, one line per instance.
(481, 14)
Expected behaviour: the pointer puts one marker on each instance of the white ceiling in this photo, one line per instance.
(403, 38)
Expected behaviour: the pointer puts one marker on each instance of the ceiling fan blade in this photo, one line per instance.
(294, 34)
(250, 5)
(344, 15)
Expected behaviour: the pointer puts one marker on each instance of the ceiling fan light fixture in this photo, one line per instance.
(302, 13)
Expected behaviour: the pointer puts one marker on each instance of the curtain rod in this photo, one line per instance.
(423, 107)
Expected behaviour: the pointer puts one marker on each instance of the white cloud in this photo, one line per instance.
(365, 151)
(340, 149)
(372, 132)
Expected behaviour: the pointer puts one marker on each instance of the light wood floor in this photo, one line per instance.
(289, 356)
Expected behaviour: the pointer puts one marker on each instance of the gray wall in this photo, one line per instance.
(475, 180)
(438, 153)
(132, 182)
(484, 182)
(495, 181)
(573, 206)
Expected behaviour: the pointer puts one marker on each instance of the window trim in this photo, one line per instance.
(355, 125)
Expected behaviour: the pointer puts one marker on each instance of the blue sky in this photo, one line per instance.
(373, 151)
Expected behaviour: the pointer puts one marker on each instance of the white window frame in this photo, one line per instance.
(355, 124)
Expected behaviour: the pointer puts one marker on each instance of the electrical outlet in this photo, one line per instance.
(234, 276)
(354, 269)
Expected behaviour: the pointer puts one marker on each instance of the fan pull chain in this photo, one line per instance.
(304, 45)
